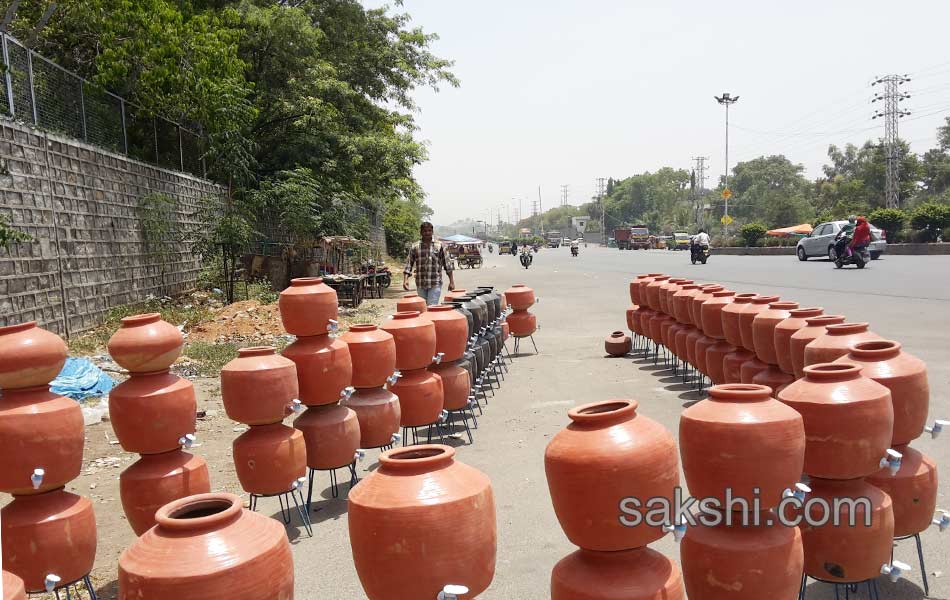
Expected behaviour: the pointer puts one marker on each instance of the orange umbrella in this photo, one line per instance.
(803, 229)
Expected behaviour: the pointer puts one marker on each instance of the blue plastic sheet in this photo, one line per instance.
(80, 379)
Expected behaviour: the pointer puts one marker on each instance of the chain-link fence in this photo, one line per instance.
(39, 92)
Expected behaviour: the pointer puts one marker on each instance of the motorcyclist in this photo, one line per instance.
(575, 247)
(514, 248)
(844, 237)
(862, 235)
(698, 241)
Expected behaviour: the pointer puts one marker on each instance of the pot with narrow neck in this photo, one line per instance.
(29, 356)
(786, 329)
(814, 327)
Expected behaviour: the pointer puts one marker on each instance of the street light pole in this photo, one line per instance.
(726, 100)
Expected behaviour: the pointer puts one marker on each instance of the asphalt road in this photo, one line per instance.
(582, 300)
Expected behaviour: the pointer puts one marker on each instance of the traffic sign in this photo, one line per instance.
(727, 193)
(726, 220)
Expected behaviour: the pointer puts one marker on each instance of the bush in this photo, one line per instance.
(891, 220)
(945, 235)
(751, 233)
(930, 219)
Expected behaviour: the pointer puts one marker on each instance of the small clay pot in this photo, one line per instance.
(763, 329)
(730, 318)
(154, 480)
(747, 316)
(451, 331)
(13, 588)
(837, 341)
(617, 344)
(456, 385)
(410, 302)
(522, 323)
(773, 378)
(783, 335)
(308, 306)
(520, 297)
(145, 344)
(324, 368)
(421, 397)
(151, 412)
(331, 434)
(29, 356)
(711, 313)
(270, 458)
(415, 340)
(378, 411)
(814, 327)
(913, 490)
(258, 386)
(637, 574)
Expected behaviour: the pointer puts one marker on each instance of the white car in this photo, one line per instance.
(821, 242)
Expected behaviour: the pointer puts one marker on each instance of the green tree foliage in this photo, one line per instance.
(401, 223)
(891, 220)
(930, 219)
(751, 233)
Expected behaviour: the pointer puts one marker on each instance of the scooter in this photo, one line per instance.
(844, 257)
(698, 253)
(574, 251)
(491, 249)
(526, 259)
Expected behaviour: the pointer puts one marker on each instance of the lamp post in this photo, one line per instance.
(727, 101)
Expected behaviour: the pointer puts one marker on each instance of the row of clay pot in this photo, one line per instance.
(521, 322)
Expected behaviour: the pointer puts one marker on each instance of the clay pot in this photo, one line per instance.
(653, 326)
(727, 563)
(732, 364)
(411, 302)
(814, 327)
(154, 480)
(681, 337)
(763, 329)
(663, 296)
(659, 324)
(847, 553)
(258, 386)
(703, 344)
(730, 318)
(372, 354)
(666, 326)
(741, 438)
(454, 295)
(520, 297)
(681, 303)
(617, 344)
(633, 319)
(456, 385)
(324, 368)
(635, 290)
(308, 306)
(13, 588)
(848, 420)
(904, 375)
(48, 533)
(415, 340)
(747, 316)
(29, 356)
(606, 454)
(206, 546)
(711, 313)
(715, 361)
(913, 490)
(644, 281)
(522, 323)
(421, 397)
(451, 331)
(783, 335)
(270, 458)
(377, 410)
(837, 341)
(39, 429)
(774, 378)
(150, 412)
(697, 301)
(750, 369)
(645, 315)
(653, 291)
(145, 343)
(692, 338)
(425, 491)
(331, 434)
(638, 574)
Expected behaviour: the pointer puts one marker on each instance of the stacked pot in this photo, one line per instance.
(609, 454)
(521, 322)
(765, 335)
(377, 409)
(451, 340)
(48, 534)
(153, 413)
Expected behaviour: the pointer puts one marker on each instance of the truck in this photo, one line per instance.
(553, 238)
(640, 237)
(622, 237)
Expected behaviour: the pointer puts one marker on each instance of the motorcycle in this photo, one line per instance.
(526, 259)
(698, 253)
(491, 249)
(574, 251)
(844, 257)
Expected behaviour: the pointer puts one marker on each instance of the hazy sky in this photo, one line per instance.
(563, 92)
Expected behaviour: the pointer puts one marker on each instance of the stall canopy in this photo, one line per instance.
(461, 239)
(797, 230)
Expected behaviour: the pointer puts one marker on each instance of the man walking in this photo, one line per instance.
(429, 259)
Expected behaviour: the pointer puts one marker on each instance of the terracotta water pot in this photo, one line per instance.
(747, 316)
(669, 288)
(774, 378)
(692, 338)
(652, 291)
(730, 318)
(415, 340)
(637, 574)
(453, 295)
(634, 289)
(372, 353)
(751, 368)
(656, 324)
(39, 430)
(421, 397)
(378, 411)
(644, 281)
(848, 420)
(645, 315)
(697, 301)
(617, 344)
(331, 434)
(54, 532)
(411, 302)
(13, 588)
(399, 519)
(308, 306)
(715, 361)
(665, 328)
(456, 385)
(505, 330)
(913, 490)
(763, 329)
(847, 553)
(732, 364)
(681, 339)
(324, 368)
(703, 344)
(837, 341)
(29, 356)
(741, 438)
(270, 458)
(520, 297)
(728, 563)
(606, 454)
(258, 386)
(150, 412)
(451, 331)
(207, 546)
(145, 343)
(711, 313)
(154, 480)
(681, 302)
(783, 335)
(904, 375)
(814, 327)
(633, 319)
(522, 323)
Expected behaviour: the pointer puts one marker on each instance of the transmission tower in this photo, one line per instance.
(601, 195)
(565, 194)
(699, 190)
(892, 113)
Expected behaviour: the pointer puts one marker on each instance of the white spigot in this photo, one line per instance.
(298, 483)
(333, 326)
(359, 455)
(895, 570)
(437, 359)
(395, 439)
(943, 522)
(296, 405)
(37, 477)
(443, 416)
(187, 440)
(678, 531)
(799, 491)
(935, 429)
(392, 379)
(52, 580)
(892, 461)
(452, 592)
(347, 393)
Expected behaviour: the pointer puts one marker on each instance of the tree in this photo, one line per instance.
(770, 189)
(751, 233)
(930, 219)
(891, 220)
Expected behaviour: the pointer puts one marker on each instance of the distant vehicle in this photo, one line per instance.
(640, 238)
(680, 241)
(553, 239)
(622, 236)
(821, 242)
(504, 248)
(611, 243)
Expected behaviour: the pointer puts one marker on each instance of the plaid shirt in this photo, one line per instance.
(429, 262)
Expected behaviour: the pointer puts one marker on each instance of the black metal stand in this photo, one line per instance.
(518, 342)
(71, 590)
(920, 558)
(416, 436)
(463, 412)
(849, 588)
(334, 483)
(284, 498)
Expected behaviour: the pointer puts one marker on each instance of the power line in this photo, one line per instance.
(892, 114)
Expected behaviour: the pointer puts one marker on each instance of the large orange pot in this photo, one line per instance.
(520, 297)
(681, 302)
(732, 364)
(681, 339)
(784, 331)
(378, 411)
(633, 323)
(373, 355)
(727, 563)
(848, 420)
(606, 454)
(456, 385)
(692, 339)
(13, 588)
(637, 574)
(308, 306)
(913, 490)
(331, 434)
(711, 313)
(763, 329)
(150, 412)
(421, 397)
(837, 341)
(730, 318)
(39, 430)
(451, 331)
(324, 368)
(652, 291)
(644, 281)
(258, 386)
(697, 301)
(814, 327)
(29, 356)
(154, 480)
(667, 290)
(665, 328)
(715, 361)
(145, 343)
(742, 439)
(52, 533)
(522, 323)
(751, 368)
(415, 340)
(411, 302)
(747, 316)
(847, 553)
(634, 289)
(207, 546)
(703, 344)
(644, 315)
(904, 375)
(774, 378)
(270, 458)
(399, 519)
(656, 326)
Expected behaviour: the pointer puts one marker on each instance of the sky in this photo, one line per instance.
(560, 93)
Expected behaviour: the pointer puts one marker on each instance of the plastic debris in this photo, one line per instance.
(81, 379)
